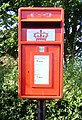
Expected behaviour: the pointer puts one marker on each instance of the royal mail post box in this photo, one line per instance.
(40, 45)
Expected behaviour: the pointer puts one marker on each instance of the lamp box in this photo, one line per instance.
(40, 45)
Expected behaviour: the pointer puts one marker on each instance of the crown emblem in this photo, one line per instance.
(41, 36)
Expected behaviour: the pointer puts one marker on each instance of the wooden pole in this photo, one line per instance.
(41, 109)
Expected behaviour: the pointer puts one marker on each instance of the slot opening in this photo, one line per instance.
(41, 24)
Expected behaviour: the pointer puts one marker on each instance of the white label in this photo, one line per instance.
(41, 69)
(41, 49)
(40, 34)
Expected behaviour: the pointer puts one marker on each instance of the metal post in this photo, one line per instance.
(41, 109)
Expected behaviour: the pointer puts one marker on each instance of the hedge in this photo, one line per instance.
(14, 108)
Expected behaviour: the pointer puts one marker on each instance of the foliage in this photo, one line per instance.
(14, 108)
(73, 24)
(73, 28)
(70, 107)
(8, 31)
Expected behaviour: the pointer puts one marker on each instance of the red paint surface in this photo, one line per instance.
(47, 18)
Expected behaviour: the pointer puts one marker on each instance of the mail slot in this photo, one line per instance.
(40, 52)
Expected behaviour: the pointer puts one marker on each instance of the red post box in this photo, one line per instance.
(40, 44)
